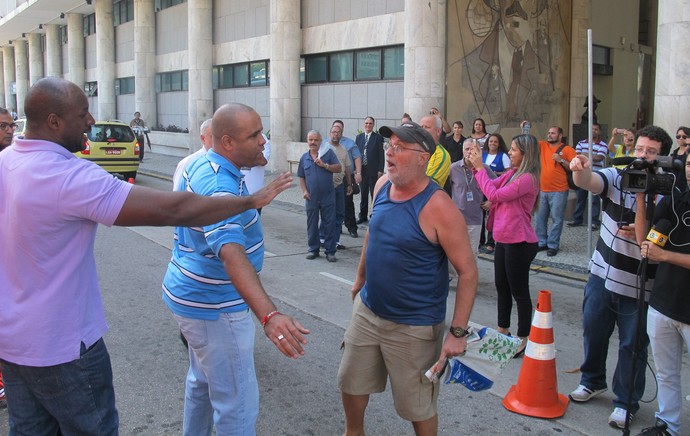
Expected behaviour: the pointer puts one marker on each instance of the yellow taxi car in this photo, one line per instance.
(113, 146)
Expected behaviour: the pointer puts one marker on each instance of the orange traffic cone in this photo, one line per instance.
(536, 393)
(131, 180)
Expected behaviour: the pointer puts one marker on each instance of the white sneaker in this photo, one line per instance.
(583, 393)
(617, 418)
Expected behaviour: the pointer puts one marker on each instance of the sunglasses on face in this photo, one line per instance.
(681, 137)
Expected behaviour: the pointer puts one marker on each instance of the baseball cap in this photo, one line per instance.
(411, 132)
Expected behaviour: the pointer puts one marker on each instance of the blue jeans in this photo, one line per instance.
(667, 337)
(339, 214)
(602, 311)
(327, 212)
(221, 386)
(75, 398)
(551, 205)
(581, 204)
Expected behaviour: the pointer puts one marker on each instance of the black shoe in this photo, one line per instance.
(574, 224)
(542, 248)
(551, 252)
(339, 246)
(312, 255)
(331, 257)
(595, 227)
(659, 428)
(353, 233)
(362, 220)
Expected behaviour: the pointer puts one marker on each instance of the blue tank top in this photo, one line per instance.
(406, 275)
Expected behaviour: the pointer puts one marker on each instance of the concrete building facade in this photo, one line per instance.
(303, 63)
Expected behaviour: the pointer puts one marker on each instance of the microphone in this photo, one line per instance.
(641, 164)
(625, 160)
(658, 235)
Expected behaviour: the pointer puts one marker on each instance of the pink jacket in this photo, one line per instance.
(512, 205)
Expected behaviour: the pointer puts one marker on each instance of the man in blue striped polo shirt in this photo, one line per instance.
(212, 284)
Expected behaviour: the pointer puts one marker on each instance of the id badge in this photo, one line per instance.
(470, 197)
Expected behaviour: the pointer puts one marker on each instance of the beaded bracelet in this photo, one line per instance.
(268, 317)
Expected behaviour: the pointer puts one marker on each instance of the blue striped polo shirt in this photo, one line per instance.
(196, 284)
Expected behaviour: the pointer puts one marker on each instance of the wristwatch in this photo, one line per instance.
(459, 332)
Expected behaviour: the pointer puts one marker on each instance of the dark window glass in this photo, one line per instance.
(316, 69)
(176, 81)
(368, 65)
(394, 62)
(340, 67)
(259, 73)
(241, 75)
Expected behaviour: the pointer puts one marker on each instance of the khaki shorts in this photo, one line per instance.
(376, 349)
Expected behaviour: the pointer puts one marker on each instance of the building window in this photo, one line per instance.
(63, 35)
(172, 81)
(89, 24)
(393, 63)
(258, 73)
(123, 12)
(163, 4)
(43, 42)
(340, 65)
(124, 86)
(316, 69)
(241, 75)
(91, 89)
(384, 63)
(368, 65)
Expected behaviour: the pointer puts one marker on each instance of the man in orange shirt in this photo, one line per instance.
(555, 158)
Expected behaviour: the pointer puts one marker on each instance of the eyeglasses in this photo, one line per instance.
(5, 126)
(647, 151)
(681, 137)
(398, 148)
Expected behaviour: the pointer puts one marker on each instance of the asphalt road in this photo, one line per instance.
(300, 397)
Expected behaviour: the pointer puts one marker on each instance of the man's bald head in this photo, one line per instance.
(237, 135)
(57, 110)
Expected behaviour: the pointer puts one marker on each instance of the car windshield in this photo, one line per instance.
(110, 133)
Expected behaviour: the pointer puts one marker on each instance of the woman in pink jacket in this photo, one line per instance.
(515, 196)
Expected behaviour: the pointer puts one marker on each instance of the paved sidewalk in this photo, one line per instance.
(571, 260)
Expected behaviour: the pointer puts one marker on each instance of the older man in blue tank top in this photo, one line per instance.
(399, 310)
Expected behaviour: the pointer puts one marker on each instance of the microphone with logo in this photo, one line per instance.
(658, 235)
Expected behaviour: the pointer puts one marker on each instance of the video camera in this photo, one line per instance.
(641, 175)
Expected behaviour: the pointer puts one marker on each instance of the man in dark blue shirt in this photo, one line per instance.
(316, 180)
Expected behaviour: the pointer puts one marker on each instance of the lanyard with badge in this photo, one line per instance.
(470, 195)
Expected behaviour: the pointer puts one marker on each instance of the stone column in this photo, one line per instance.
(672, 89)
(21, 59)
(105, 59)
(145, 61)
(2, 80)
(53, 51)
(75, 48)
(425, 54)
(285, 90)
(8, 66)
(582, 13)
(35, 58)
(200, 43)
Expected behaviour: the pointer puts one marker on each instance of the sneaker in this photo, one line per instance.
(617, 418)
(551, 252)
(339, 246)
(542, 248)
(331, 257)
(583, 393)
(659, 429)
(574, 224)
(312, 255)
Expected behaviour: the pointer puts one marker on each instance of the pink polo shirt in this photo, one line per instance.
(50, 205)
(514, 202)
